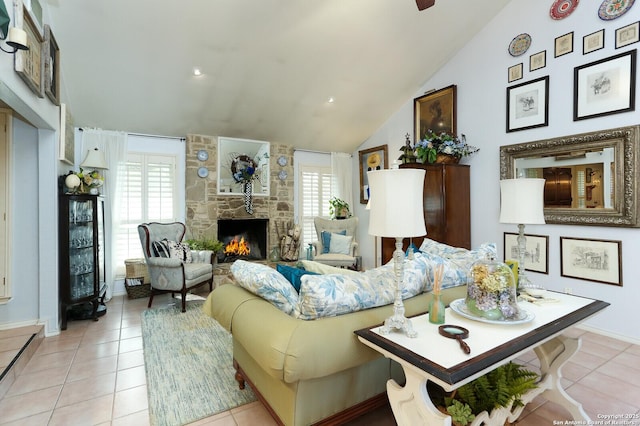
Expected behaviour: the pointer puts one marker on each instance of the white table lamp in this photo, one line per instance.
(94, 160)
(397, 211)
(522, 203)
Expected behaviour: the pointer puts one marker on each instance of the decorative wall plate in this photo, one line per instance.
(203, 172)
(612, 9)
(283, 175)
(519, 44)
(203, 155)
(282, 160)
(560, 9)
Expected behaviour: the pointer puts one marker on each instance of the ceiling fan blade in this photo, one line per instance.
(424, 4)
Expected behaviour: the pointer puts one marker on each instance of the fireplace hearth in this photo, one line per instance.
(243, 239)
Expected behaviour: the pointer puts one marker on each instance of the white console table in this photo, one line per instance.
(432, 357)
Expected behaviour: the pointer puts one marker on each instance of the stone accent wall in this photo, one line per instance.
(205, 206)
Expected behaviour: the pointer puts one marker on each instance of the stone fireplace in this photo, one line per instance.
(205, 207)
(243, 239)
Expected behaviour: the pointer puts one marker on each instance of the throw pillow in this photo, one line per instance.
(326, 239)
(340, 244)
(267, 283)
(160, 248)
(179, 251)
(293, 275)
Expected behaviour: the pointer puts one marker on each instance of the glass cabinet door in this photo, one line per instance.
(81, 249)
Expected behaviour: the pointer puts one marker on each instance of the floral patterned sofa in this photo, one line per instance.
(298, 351)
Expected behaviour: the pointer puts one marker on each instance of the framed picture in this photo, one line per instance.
(591, 260)
(604, 87)
(592, 42)
(28, 63)
(538, 60)
(564, 44)
(66, 149)
(536, 254)
(528, 105)
(627, 35)
(435, 111)
(51, 54)
(371, 159)
(515, 72)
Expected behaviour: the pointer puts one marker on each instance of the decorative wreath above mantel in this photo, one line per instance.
(243, 169)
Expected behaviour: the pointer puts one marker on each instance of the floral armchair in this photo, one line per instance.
(173, 267)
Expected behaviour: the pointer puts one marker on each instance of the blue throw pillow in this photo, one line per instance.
(326, 239)
(293, 275)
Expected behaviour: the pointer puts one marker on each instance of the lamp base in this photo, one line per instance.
(398, 321)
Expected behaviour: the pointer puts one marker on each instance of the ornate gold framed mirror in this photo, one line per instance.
(591, 178)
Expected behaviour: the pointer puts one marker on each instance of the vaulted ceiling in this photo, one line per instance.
(268, 67)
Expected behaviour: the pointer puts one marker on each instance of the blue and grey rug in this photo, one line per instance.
(188, 360)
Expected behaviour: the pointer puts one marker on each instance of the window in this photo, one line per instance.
(314, 191)
(148, 194)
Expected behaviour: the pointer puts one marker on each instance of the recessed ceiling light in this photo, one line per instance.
(331, 100)
(197, 71)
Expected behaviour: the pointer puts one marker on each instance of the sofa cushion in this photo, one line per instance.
(267, 283)
(292, 274)
(337, 294)
(457, 261)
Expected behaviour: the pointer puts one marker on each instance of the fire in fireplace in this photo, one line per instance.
(237, 247)
(243, 239)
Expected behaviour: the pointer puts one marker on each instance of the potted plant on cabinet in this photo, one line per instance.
(338, 209)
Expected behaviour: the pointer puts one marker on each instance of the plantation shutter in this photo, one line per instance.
(148, 195)
(314, 194)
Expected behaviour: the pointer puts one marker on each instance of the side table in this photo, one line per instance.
(431, 357)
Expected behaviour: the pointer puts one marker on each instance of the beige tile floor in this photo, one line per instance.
(93, 374)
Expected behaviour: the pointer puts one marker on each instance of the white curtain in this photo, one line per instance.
(342, 183)
(114, 146)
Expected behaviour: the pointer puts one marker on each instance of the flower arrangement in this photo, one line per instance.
(432, 144)
(83, 182)
(91, 179)
(491, 292)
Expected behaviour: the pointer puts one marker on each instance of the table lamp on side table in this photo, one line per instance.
(522, 203)
(397, 212)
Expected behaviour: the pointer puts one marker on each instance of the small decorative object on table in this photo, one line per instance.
(442, 148)
(436, 307)
(491, 292)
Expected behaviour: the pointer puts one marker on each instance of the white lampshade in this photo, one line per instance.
(522, 201)
(396, 203)
(94, 160)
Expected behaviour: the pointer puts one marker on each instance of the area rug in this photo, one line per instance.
(188, 360)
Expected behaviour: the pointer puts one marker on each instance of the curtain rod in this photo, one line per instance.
(148, 135)
(317, 152)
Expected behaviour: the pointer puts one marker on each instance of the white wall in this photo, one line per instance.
(480, 73)
(34, 205)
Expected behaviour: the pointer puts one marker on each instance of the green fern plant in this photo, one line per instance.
(495, 389)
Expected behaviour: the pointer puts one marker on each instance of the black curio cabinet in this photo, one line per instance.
(81, 280)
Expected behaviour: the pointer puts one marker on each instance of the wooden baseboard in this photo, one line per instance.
(340, 418)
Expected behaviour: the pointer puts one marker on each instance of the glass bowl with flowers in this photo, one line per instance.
(491, 291)
(443, 148)
(84, 182)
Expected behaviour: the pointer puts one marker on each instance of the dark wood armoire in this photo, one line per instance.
(447, 207)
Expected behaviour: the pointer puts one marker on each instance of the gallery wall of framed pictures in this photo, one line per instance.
(601, 87)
